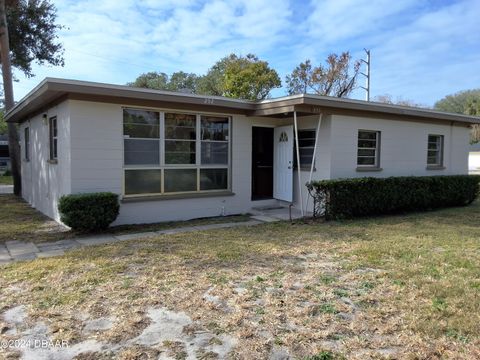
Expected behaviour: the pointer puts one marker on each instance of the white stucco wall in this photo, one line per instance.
(97, 165)
(43, 183)
(403, 147)
(90, 159)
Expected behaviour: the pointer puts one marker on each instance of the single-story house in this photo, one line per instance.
(4, 154)
(176, 156)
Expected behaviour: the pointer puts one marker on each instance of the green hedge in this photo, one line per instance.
(89, 212)
(348, 198)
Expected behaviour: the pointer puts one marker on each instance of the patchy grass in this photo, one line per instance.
(6, 180)
(18, 221)
(398, 286)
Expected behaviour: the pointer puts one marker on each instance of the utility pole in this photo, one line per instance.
(367, 75)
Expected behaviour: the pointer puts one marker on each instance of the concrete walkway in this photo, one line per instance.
(20, 250)
(6, 189)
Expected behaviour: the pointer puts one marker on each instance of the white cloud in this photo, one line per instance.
(332, 21)
(114, 41)
(420, 50)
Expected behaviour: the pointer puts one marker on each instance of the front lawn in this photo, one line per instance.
(18, 221)
(6, 180)
(389, 287)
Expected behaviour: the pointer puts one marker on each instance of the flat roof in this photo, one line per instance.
(52, 90)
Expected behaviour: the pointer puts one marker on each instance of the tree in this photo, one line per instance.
(33, 34)
(182, 81)
(464, 102)
(249, 78)
(332, 79)
(472, 106)
(388, 99)
(214, 81)
(31, 37)
(178, 81)
(14, 146)
(301, 79)
(244, 77)
(460, 102)
(151, 80)
(3, 124)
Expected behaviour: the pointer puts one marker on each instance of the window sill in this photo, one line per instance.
(435, 167)
(129, 199)
(368, 169)
(54, 161)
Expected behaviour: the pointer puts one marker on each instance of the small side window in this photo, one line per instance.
(435, 150)
(368, 154)
(53, 141)
(26, 139)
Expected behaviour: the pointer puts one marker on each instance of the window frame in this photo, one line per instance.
(439, 150)
(164, 166)
(53, 138)
(376, 164)
(26, 143)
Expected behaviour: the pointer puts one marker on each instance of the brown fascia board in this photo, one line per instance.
(52, 90)
(315, 104)
(318, 102)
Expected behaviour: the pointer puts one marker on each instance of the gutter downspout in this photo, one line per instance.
(295, 127)
(317, 134)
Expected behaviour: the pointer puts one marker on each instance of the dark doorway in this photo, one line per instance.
(262, 163)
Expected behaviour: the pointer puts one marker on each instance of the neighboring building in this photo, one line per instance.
(4, 154)
(174, 156)
(474, 159)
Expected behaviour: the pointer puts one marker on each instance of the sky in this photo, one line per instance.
(421, 50)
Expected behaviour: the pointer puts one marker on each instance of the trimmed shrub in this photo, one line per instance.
(348, 198)
(89, 212)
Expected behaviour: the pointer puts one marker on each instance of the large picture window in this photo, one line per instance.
(173, 152)
(368, 148)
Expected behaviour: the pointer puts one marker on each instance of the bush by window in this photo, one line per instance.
(347, 198)
(88, 212)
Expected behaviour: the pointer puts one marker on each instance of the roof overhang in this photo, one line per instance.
(52, 90)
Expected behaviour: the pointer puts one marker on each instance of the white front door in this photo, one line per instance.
(283, 163)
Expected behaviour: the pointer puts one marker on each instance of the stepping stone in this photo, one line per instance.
(58, 245)
(27, 256)
(5, 257)
(177, 230)
(5, 262)
(265, 218)
(21, 248)
(51, 253)
(3, 250)
(135, 236)
(96, 240)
